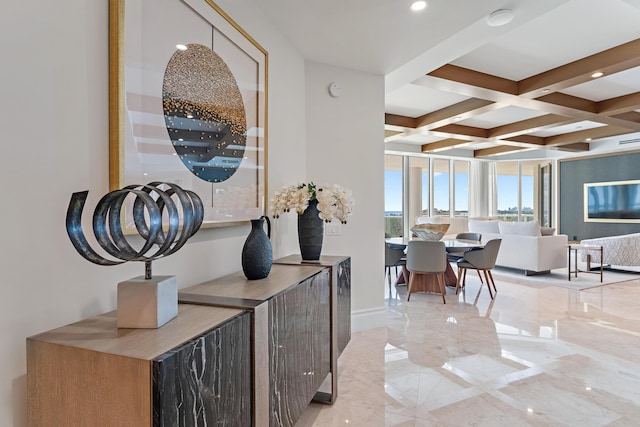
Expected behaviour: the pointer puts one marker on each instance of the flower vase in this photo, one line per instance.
(257, 255)
(310, 232)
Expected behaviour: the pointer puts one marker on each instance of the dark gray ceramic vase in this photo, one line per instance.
(257, 255)
(310, 232)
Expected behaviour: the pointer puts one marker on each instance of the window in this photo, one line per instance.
(393, 224)
(441, 187)
(507, 177)
(461, 188)
(518, 184)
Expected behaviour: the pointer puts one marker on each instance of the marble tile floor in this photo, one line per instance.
(537, 355)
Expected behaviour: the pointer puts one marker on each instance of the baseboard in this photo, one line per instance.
(362, 320)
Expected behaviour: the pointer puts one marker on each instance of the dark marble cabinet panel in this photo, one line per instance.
(206, 381)
(298, 341)
(344, 303)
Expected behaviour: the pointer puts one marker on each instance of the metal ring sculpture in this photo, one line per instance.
(107, 226)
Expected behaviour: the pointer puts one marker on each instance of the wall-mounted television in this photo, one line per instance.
(615, 201)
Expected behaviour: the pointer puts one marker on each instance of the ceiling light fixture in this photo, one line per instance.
(418, 5)
(181, 47)
(499, 17)
(588, 140)
(597, 74)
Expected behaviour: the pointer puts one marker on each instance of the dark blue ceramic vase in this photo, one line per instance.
(257, 255)
(310, 232)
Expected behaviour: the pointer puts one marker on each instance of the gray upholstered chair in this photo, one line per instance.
(393, 257)
(469, 236)
(426, 258)
(454, 254)
(482, 259)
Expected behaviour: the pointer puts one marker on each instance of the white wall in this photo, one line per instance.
(345, 145)
(54, 121)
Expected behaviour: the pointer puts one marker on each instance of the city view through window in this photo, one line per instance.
(515, 183)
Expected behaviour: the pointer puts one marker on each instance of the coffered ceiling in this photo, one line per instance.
(457, 86)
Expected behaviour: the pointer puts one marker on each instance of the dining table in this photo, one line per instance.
(428, 283)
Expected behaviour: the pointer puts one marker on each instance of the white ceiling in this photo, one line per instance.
(385, 37)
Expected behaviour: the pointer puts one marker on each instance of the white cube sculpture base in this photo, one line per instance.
(147, 303)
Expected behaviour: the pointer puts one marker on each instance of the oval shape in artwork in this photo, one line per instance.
(204, 113)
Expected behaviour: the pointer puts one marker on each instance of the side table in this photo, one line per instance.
(575, 248)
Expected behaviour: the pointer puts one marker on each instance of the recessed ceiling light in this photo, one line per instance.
(499, 17)
(546, 90)
(181, 47)
(597, 74)
(418, 5)
(588, 139)
(457, 118)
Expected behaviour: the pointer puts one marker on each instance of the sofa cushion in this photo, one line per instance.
(531, 228)
(483, 226)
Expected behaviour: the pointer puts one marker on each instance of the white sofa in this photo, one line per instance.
(621, 250)
(523, 244)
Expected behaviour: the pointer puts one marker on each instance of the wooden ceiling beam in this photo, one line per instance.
(475, 78)
(578, 147)
(610, 61)
(401, 121)
(467, 108)
(462, 130)
(500, 149)
(530, 125)
(569, 101)
(584, 135)
(631, 116)
(620, 104)
(526, 140)
(443, 144)
(578, 112)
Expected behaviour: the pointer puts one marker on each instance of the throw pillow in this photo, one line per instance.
(531, 228)
(547, 231)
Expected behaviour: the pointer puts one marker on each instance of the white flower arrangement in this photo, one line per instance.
(334, 201)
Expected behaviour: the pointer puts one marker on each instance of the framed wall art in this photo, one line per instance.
(188, 105)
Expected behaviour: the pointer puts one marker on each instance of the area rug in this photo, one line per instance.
(558, 277)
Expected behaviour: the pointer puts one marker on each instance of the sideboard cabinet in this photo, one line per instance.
(193, 371)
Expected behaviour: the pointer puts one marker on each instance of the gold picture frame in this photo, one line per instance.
(156, 47)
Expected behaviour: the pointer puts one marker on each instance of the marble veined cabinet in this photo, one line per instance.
(292, 334)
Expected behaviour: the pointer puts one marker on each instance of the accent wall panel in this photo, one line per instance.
(574, 173)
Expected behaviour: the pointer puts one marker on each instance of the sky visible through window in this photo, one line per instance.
(507, 189)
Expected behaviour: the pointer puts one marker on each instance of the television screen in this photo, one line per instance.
(617, 201)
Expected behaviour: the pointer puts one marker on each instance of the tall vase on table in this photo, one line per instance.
(257, 254)
(310, 232)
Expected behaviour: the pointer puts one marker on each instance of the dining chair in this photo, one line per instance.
(393, 257)
(469, 236)
(454, 254)
(482, 260)
(426, 258)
